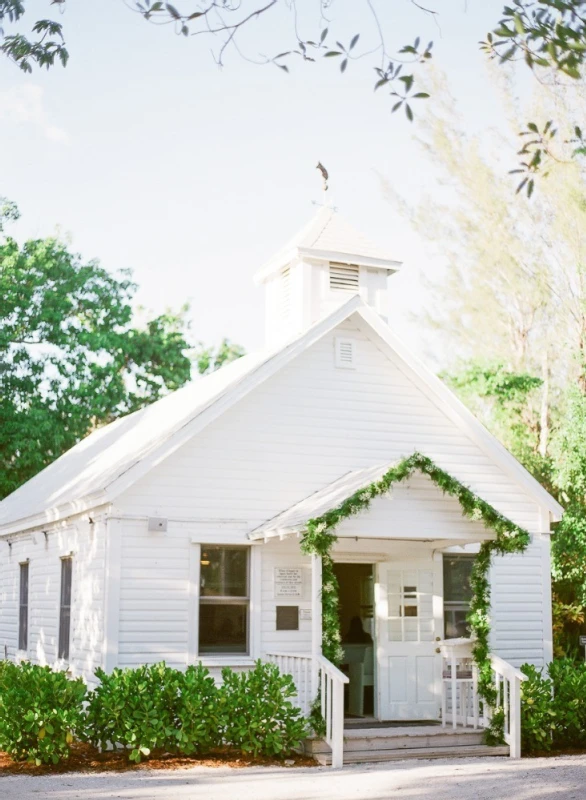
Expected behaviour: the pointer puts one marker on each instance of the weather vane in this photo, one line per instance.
(324, 174)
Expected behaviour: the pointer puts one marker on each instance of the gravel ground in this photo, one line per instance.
(459, 779)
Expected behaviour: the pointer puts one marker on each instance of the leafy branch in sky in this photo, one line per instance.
(550, 37)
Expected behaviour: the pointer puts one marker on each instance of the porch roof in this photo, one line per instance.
(294, 519)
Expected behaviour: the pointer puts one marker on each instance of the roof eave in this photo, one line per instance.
(53, 515)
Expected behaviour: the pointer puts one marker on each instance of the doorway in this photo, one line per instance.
(356, 603)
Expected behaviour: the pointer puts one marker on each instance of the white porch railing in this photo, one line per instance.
(299, 668)
(331, 685)
(460, 702)
(332, 707)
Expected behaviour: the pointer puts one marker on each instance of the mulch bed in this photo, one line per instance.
(84, 758)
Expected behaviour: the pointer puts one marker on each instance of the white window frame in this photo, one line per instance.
(22, 653)
(65, 660)
(252, 599)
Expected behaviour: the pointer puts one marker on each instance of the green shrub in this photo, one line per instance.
(199, 715)
(553, 707)
(259, 716)
(537, 713)
(41, 712)
(569, 702)
(152, 707)
(134, 708)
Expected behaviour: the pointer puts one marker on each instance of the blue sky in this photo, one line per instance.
(150, 157)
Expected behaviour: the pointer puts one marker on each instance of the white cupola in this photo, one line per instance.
(319, 269)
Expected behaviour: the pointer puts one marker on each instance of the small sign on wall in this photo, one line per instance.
(287, 618)
(288, 582)
(305, 614)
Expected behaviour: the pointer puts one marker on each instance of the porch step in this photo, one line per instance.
(393, 743)
(363, 756)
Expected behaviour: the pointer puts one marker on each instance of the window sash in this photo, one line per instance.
(23, 607)
(225, 601)
(65, 609)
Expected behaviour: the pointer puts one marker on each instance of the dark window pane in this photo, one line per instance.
(455, 623)
(65, 609)
(23, 609)
(224, 572)
(223, 628)
(457, 572)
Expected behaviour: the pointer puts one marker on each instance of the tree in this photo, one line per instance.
(514, 289)
(512, 306)
(71, 358)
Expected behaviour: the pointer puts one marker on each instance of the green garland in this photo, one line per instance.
(319, 538)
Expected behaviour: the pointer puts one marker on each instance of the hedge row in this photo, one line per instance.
(553, 707)
(42, 713)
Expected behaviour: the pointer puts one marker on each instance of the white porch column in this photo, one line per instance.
(316, 622)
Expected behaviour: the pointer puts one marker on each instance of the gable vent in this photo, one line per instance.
(344, 277)
(345, 353)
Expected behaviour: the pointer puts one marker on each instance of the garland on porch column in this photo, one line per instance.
(319, 537)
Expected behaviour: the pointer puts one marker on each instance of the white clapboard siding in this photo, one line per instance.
(306, 426)
(154, 595)
(275, 554)
(87, 544)
(300, 430)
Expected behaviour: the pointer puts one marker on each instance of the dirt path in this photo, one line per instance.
(562, 778)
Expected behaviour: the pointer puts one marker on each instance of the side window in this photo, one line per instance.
(223, 600)
(65, 609)
(23, 608)
(457, 594)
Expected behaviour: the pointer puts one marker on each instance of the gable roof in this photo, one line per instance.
(102, 465)
(294, 519)
(113, 458)
(329, 236)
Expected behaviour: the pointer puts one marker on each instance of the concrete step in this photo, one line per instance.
(460, 751)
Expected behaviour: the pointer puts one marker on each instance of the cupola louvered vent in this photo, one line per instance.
(344, 277)
(345, 353)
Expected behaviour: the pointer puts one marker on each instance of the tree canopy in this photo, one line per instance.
(510, 312)
(72, 357)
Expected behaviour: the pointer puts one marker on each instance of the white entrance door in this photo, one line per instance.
(409, 618)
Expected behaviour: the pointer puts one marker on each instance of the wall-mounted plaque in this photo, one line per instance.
(288, 582)
(305, 614)
(287, 618)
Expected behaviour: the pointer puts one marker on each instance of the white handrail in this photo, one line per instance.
(331, 687)
(506, 669)
(332, 707)
(508, 681)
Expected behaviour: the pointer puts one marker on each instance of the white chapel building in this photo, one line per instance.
(174, 533)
